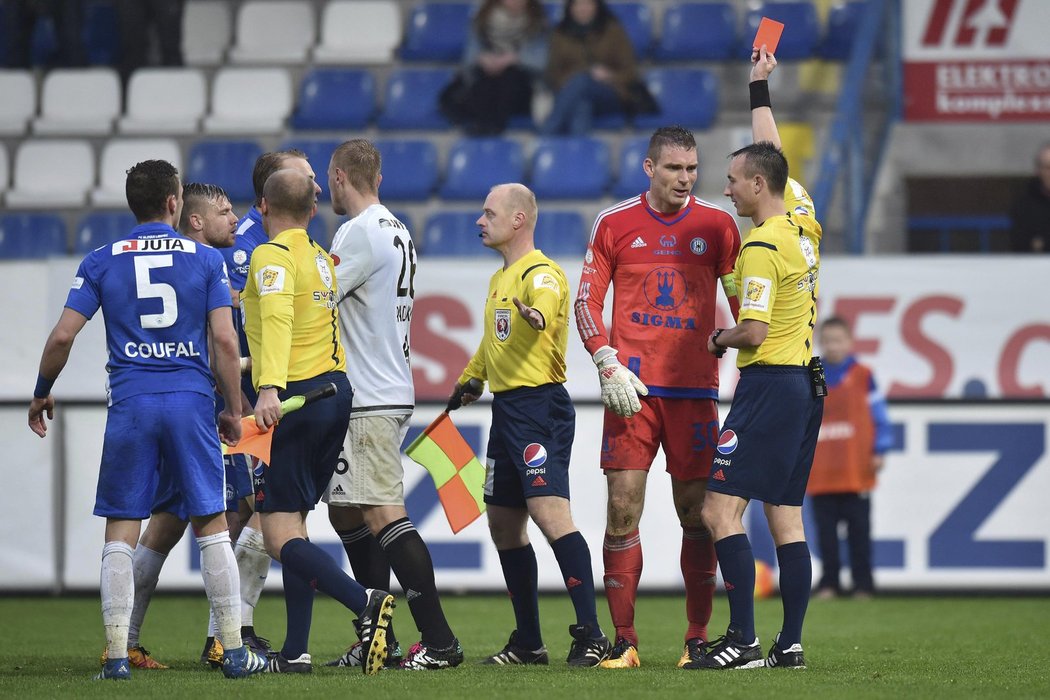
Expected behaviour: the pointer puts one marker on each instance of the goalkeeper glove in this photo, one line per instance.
(620, 387)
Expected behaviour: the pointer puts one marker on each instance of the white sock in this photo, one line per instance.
(118, 595)
(211, 622)
(147, 565)
(253, 563)
(219, 569)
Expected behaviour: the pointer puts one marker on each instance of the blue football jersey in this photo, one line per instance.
(155, 290)
(250, 233)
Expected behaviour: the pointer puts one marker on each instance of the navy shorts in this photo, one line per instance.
(530, 443)
(306, 445)
(766, 447)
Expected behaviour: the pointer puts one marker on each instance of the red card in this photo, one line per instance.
(769, 31)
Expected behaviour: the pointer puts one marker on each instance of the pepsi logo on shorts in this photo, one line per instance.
(534, 455)
(727, 442)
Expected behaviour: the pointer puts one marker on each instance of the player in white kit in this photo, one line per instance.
(375, 265)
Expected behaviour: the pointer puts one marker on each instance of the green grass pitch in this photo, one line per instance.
(923, 647)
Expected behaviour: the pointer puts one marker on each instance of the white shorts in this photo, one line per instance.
(369, 471)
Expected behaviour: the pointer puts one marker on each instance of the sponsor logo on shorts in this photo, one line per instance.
(259, 496)
(721, 461)
(610, 582)
(538, 482)
(727, 442)
(718, 476)
(338, 491)
(502, 322)
(534, 455)
(230, 493)
(535, 470)
(572, 582)
(260, 469)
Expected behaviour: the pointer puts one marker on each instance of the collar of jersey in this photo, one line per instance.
(289, 233)
(525, 260)
(660, 217)
(152, 228)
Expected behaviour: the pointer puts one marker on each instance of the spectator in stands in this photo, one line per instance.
(854, 435)
(142, 20)
(505, 53)
(592, 69)
(1030, 212)
(62, 21)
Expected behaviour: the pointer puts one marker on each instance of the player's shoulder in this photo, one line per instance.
(798, 200)
(625, 211)
(710, 209)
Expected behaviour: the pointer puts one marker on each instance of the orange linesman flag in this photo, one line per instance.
(457, 473)
(253, 442)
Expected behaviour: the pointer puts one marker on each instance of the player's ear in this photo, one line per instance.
(649, 167)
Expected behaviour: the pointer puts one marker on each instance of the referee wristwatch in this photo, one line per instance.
(270, 386)
(714, 341)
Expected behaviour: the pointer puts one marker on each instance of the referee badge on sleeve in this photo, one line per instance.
(270, 279)
(502, 321)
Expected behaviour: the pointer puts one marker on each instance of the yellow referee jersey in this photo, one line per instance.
(797, 200)
(777, 278)
(290, 313)
(512, 354)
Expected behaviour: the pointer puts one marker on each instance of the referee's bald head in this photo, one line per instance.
(518, 198)
(289, 193)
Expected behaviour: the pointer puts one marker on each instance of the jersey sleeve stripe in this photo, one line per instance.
(622, 206)
(584, 319)
(526, 273)
(759, 244)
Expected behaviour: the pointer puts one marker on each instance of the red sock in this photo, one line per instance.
(699, 564)
(623, 568)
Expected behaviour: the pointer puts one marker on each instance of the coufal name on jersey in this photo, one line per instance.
(161, 350)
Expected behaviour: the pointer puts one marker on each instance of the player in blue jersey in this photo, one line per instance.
(165, 301)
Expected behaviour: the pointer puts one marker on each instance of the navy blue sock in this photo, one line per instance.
(796, 579)
(299, 606)
(574, 559)
(311, 563)
(738, 571)
(520, 573)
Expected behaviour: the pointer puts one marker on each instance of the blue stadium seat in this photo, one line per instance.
(100, 228)
(452, 234)
(843, 21)
(319, 153)
(318, 230)
(555, 11)
(437, 31)
(404, 218)
(335, 98)
(637, 21)
(101, 33)
(704, 31)
(561, 234)
(631, 180)
(686, 96)
(410, 169)
(227, 164)
(31, 236)
(570, 168)
(475, 165)
(801, 28)
(412, 99)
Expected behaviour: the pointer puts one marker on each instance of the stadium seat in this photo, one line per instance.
(412, 99)
(274, 31)
(335, 99)
(5, 170)
(81, 101)
(561, 234)
(406, 219)
(452, 234)
(359, 32)
(686, 96)
(637, 21)
(437, 31)
(704, 31)
(570, 168)
(318, 230)
(410, 169)
(19, 103)
(101, 33)
(101, 228)
(249, 101)
(52, 173)
(555, 11)
(120, 154)
(319, 153)
(227, 164)
(475, 165)
(843, 21)
(801, 28)
(205, 32)
(165, 101)
(31, 236)
(631, 180)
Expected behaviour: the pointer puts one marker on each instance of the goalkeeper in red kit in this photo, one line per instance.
(664, 252)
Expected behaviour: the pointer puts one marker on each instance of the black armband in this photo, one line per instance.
(760, 94)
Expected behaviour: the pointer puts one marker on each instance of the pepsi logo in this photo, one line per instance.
(534, 455)
(727, 442)
(260, 468)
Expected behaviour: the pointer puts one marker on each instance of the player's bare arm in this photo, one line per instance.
(226, 359)
(763, 125)
(52, 361)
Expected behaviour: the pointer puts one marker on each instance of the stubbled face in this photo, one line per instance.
(835, 344)
(219, 223)
(496, 221)
(672, 177)
(740, 189)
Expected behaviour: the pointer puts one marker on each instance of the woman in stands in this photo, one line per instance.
(505, 53)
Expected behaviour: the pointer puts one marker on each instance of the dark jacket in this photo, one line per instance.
(1030, 220)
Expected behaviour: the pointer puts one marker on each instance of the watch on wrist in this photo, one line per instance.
(714, 338)
(268, 386)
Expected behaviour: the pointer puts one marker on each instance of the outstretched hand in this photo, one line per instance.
(531, 315)
(762, 62)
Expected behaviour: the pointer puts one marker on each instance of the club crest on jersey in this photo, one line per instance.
(664, 288)
(240, 257)
(323, 270)
(588, 257)
(698, 246)
(727, 442)
(502, 324)
(534, 455)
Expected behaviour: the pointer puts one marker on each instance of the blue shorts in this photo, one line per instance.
(530, 443)
(766, 447)
(306, 446)
(238, 486)
(153, 435)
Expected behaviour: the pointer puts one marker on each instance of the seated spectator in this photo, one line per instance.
(592, 69)
(1030, 212)
(149, 26)
(504, 54)
(59, 21)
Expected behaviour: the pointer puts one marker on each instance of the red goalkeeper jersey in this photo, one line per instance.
(664, 269)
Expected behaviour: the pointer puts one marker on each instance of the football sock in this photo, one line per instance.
(738, 571)
(367, 559)
(212, 628)
(796, 579)
(622, 555)
(698, 570)
(253, 564)
(574, 560)
(118, 595)
(311, 563)
(299, 610)
(223, 586)
(146, 565)
(521, 575)
(414, 568)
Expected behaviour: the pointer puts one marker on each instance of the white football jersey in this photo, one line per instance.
(375, 267)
